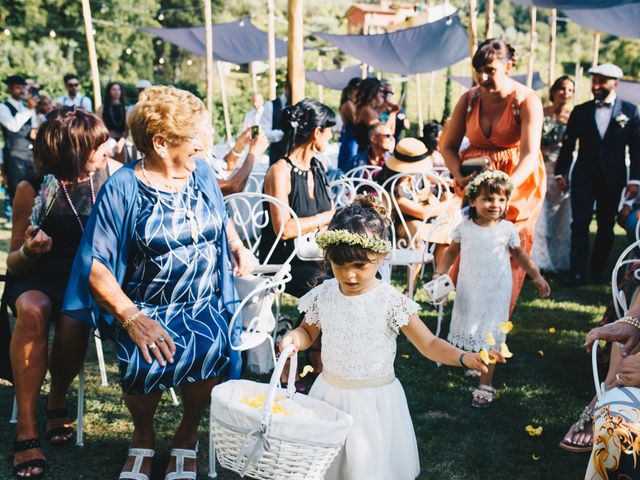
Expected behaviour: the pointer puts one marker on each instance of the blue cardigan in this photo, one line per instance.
(107, 238)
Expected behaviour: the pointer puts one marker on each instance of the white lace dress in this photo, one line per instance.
(483, 291)
(358, 350)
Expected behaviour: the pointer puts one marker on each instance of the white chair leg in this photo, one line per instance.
(212, 447)
(440, 317)
(100, 355)
(14, 411)
(174, 397)
(80, 419)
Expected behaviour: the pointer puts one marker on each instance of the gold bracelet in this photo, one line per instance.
(630, 320)
(129, 321)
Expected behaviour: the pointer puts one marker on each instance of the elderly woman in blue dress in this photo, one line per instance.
(155, 268)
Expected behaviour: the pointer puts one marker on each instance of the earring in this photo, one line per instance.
(162, 154)
(314, 149)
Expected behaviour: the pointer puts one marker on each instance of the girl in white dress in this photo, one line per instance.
(484, 241)
(360, 318)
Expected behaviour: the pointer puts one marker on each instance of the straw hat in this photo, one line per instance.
(410, 156)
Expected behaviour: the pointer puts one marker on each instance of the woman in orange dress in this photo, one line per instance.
(503, 121)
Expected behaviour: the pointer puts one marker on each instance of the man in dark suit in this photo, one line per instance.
(604, 128)
(270, 123)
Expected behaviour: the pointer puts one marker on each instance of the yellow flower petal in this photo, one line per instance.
(505, 327)
(405, 356)
(533, 431)
(504, 350)
(541, 353)
(484, 356)
(305, 370)
(552, 330)
(535, 457)
(489, 339)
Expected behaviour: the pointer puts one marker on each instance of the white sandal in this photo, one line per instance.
(483, 392)
(180, 473)
(139, 454)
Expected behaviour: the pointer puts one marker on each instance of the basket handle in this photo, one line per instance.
(600, 390)
(275, 380)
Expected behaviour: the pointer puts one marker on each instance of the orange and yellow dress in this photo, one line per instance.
(503, 148)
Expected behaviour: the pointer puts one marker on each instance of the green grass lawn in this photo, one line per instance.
(455, 441)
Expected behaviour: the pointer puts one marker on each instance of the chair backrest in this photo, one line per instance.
(627, 260)
(251, 212)
(363, 171)
(417, 182)
(345, 190)
(255, 182)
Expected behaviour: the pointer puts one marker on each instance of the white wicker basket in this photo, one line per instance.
(257, 444)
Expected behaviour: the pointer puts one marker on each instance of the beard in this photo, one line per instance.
(600, 93)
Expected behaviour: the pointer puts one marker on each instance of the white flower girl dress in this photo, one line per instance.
(358, 350)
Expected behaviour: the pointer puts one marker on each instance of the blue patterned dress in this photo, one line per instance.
(175, 281)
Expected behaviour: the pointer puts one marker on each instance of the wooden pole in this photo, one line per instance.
(225, 104)
(490, 19)
(552, 47)
(419, 99)
(296, 50)
(254, 79)
(473, 32)
(271, 45)
(320, 88)
(93, 57)
(532, 47)
(596, 49)
(208, 38)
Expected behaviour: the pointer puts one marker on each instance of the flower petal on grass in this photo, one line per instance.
(535, 457)
(541, 353)
(305, 370)
(505, 327)
(405, 356)
(533, 431)
(552, 330)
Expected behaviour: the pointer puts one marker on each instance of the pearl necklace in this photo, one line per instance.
(189, 214)
(73, 209)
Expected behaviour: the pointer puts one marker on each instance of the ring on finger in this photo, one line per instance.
(618, 376)
(160, 339)
(152, 345)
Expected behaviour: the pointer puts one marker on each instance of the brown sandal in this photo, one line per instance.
(584, 421)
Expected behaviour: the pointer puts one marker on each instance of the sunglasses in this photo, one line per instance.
(386, 135)
(72, 84)
(388, 93)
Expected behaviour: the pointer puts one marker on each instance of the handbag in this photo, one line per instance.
(307, 248)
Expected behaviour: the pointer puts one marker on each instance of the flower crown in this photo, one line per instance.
(332, 237)
(474, 185)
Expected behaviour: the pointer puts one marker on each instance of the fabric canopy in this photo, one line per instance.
(414, 50)
(621, 21)
(537, 84)
(336, 79)
(571, 4)
(235, 42)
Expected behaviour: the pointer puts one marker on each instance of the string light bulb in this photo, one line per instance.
(52, 34)
(161, 17)
(128, 51)
(161, 60)
(189, 62)
(7, 32)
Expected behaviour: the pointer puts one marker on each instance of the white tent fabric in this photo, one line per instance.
(414, 50)
(621, 21)
(538, 83)
(572, 4)
(336, 79)
(235, 42)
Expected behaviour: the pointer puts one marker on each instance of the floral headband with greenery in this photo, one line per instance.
(474, 185)
(332, 237)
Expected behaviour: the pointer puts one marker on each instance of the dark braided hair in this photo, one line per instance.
(300, 120)
(364, 216)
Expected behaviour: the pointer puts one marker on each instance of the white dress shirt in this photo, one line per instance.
(603, 114)
(79, 101)
(13, 124)
(252, 117)
(266, 122)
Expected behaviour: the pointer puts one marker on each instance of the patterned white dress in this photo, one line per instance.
(483, 291)
(358, 350)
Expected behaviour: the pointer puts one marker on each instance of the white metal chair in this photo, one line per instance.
(364, 171)
(255, 182)
(344, 190)
(628, 259)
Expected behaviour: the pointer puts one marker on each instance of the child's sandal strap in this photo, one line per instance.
(28, 444)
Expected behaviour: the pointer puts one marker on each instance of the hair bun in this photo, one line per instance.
(369, 202)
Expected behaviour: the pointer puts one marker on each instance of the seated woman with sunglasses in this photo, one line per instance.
(381, 145)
